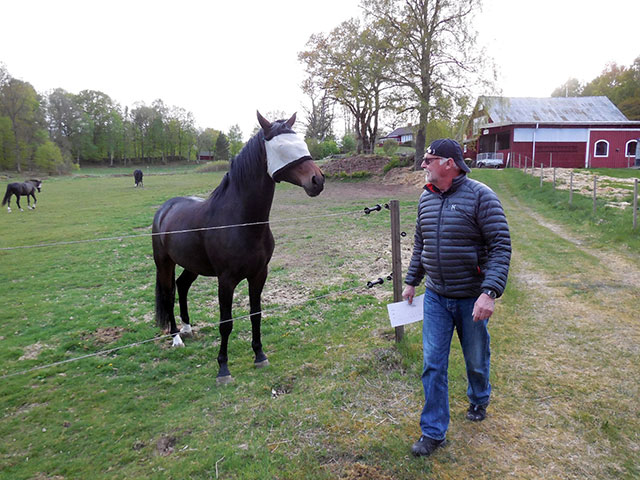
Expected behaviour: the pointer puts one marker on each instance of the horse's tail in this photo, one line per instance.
(165, 300)
(7, 196)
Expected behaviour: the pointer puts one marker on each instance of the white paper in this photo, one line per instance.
(401, 313)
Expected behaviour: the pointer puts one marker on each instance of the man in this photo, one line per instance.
(463, 246)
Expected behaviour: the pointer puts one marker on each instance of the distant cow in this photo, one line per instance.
(137, 176)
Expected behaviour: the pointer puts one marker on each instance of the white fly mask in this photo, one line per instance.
(283, 150)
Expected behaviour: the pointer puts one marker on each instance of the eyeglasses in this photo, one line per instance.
(427, 161)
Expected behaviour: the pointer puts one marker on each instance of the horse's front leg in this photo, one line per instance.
(35, 200)
(18, 203)
(256, 285)
(225, 299)
(183, 283)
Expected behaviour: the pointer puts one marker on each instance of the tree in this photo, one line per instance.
(570, 88)
(48, 157)
(351, 65)
(433, 54)
(621, 85)
(320, 116)
(19, 102)
(221, 151)
(235, 140)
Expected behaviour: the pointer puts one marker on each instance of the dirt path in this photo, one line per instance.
(568, 406)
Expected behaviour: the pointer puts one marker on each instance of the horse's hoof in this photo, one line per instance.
(262, 364)
(224, 380)
(186, 330)
(177, 341)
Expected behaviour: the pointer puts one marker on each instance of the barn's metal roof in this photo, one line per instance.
(505, 110)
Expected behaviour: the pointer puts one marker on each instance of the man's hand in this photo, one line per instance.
(483, 308)
(408, 293)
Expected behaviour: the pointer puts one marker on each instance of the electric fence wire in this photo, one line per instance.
(160, 337)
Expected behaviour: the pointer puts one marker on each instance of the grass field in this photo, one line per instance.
(340, 399)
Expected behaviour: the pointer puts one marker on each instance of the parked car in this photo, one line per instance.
(489, 163)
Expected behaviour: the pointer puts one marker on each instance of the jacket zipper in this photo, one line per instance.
(442, 202)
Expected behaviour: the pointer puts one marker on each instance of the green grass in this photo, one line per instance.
(608, 225)
(340, 399)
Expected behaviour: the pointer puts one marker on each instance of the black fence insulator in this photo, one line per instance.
(390, 277)
(377, 208)
(386, 205)
(403, 234)
(379, 281)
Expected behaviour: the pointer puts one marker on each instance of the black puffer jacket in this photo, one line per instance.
(462, 241)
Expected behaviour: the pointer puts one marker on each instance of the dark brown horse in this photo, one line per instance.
(232, 254)
(27, 188)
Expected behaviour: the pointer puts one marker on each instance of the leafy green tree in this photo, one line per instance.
(433, 54)
(348, 143)
(351, 65)
(570, 88)
(7, 143)
(206, 141)
(621, 85)
(19, 102)
(221, 150)
(49, 158)
(235, 140)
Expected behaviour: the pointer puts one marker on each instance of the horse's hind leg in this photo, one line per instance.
(18, 203)
(225, 298)
(256, 285)
(165, 299)
(183, 283)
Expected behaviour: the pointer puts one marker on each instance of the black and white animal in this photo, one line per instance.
(244, 197)
(137, 176)
(18, 189)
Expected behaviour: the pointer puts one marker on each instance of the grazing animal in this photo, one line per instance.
(18, 189)
(137, 176)
(276, 153)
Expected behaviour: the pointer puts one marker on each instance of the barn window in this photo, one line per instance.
(632, 146)
(602, 148)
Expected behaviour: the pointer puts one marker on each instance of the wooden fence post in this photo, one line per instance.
(571, 188)
(635, 204)
(554, 178)
(396, 259)
(595, 183)
(541, 175)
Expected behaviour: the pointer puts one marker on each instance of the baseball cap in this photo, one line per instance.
(447, 148)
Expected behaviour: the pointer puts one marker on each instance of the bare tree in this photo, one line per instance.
(435, 59)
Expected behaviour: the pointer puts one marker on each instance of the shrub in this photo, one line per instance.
(390, 147)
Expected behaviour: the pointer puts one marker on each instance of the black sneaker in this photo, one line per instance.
(476, 413)
(426, 446)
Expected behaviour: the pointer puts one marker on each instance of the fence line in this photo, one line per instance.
(201, 229)
(160, 337)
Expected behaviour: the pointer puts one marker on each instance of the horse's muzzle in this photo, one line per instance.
(315, 187)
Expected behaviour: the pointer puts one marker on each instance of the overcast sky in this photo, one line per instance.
(223, 60)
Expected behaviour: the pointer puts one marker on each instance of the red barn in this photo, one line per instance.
(575, 132)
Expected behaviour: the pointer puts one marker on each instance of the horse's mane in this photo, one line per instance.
(248, 165)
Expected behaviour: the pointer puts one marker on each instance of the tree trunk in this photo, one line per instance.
(421, 136)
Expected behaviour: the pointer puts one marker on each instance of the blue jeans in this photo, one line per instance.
(441, 316)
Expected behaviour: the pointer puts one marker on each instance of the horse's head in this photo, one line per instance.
(36, 183)
(288, 157)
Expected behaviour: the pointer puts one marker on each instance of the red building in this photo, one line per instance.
(575, 132)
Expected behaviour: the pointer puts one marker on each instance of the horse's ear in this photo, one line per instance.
(291, 121)
(264, 123)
